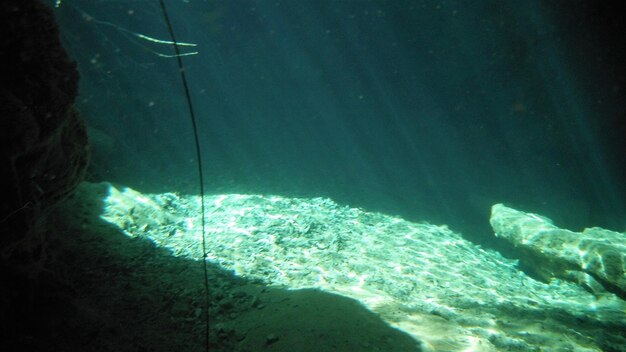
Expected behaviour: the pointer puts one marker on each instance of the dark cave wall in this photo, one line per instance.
(43, 152)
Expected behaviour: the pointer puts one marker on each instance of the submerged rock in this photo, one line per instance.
(594, 258)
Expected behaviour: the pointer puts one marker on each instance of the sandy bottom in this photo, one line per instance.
(291, 275)
(125, 294)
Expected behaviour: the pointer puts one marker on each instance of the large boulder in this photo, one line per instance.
(594, 258)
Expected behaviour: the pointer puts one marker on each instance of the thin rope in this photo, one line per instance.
(192, 115)
(126, 33)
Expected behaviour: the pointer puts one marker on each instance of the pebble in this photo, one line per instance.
(271, 338)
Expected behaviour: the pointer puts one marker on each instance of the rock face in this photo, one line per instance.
(594, 258)
(43, 144)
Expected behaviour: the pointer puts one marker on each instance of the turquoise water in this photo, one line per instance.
(432, 111)
(360, 130)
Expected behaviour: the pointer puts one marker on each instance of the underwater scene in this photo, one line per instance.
(313, 175)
